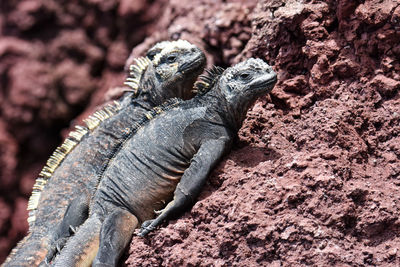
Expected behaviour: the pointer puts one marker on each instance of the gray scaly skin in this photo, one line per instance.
(171, 73)
(166, 161)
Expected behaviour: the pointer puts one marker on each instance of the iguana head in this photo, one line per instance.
(174, 67)
(243, 83)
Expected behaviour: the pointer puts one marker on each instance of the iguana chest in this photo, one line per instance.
(143, 174)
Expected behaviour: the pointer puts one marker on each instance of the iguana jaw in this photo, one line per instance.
(262, 85)
(188, 72)
(195, 63)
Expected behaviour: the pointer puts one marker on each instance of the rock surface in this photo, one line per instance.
(312, 180)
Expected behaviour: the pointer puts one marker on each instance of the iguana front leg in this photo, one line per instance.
(191, 182)
(75, 215)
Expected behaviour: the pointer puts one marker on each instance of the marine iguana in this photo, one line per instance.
(169, 70)
(166, 161)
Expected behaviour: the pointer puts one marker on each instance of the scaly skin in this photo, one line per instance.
(172, 72)
(166, 161)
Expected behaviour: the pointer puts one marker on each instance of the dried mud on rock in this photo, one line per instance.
(314, 176)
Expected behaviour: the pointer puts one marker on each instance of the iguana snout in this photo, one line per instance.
(262, 77)
(195, 61)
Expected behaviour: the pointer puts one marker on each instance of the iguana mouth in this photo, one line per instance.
(197, 63)
(261, 84)
(271, 81)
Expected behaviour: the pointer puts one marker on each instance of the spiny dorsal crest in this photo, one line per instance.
(207, 81)
(135, 73)
(170, 47)
(62, 151)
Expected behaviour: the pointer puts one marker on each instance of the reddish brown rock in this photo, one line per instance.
(313, 179)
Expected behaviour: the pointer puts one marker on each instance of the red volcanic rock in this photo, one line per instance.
(5, 214)
(8, 162)
(385, 86)
(313, 179)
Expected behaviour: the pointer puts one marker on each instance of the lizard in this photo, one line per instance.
(168, 70)
(166, 161)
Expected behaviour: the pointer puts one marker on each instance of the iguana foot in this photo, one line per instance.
(146, 228)
(75, 215)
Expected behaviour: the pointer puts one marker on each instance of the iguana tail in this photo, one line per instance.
(82, 248)
(30, 251)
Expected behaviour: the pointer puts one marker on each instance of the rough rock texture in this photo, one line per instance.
(314, 176)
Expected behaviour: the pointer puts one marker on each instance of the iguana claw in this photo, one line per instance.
(73, 229)
(158, 212)
(45, 263)
(146, 228)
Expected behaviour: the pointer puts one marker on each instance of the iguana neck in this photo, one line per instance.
(218, 104)
(150, 99)
(144, 99)
(155, 92)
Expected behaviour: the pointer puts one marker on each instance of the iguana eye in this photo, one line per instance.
(171, 58)
(151, 54)
(244, 76)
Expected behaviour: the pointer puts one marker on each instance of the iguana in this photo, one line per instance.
(166, 161)
(168, 71)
